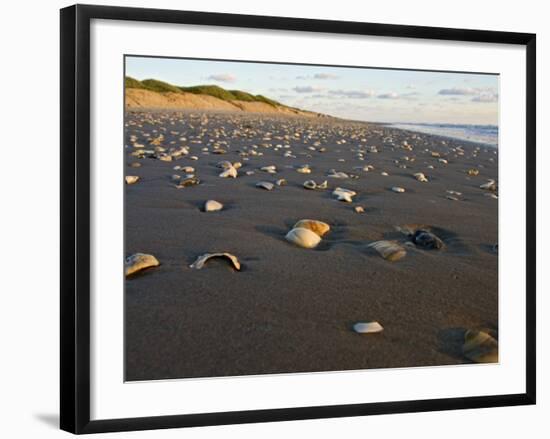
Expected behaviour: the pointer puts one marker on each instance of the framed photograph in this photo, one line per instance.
(273, 218)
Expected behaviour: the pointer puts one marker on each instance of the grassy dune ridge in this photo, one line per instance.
(153, 93)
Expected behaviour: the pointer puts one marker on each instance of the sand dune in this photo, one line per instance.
(146, 99)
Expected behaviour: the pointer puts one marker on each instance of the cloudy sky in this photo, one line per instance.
(368, 94)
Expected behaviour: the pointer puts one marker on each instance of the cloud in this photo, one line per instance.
(325, 76)
(223, 77)
(352, 94)
(391, 95)
(306, 89)
(410, 86)
(485, 98)
(458, 91)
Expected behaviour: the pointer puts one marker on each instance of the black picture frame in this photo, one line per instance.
(75, 217)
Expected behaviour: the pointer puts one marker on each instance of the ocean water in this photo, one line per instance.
(487, 134)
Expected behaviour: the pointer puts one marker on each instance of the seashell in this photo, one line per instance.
(436, 154)
(318, 227)
(189, 181)
(342, 194)
(323, 185)
(473, 172)
(494, 196)
(138, 262)
(310, 184)
(131, 179)
(237, 165)
(367, 327)
(424, 238)
(341, 175)
(265, 185)
(281, 182)
(135, 165)
(389, 250)
(229, 173)
(420, 177)
(444, 161)
(490, 185)
(480, 347)
(219, 151)
(164, 157)
(303, 237)
(193, 157)
(212, 206)
(304, 170)
(175, 178)
(250, 172)
(398, 189)
(188, 169)
(203, 259)
(385, 174)
(359, 209)
(272, 169)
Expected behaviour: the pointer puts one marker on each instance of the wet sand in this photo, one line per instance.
(292, 309)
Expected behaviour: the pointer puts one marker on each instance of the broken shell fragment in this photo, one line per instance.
(310, 184)
(272, 169)
(367, 327)
(490, 185)
(480, 347)
(212, 206)
(398, 189)
(138, 262)
(230, 172)
(186, 182)
(131, 179)
(342, 194)
(304, 169)
(318, 227)
(473, 172)
(389, 250)
(420, 177)
(359, 209)
(265, 185)
(203, 259)
(281, 182)
(303, 237)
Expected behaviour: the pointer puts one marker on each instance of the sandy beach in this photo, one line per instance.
(292, 309)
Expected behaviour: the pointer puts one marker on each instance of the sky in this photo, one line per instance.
(368, 94)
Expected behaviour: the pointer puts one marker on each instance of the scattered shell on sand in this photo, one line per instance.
(310, 184)
(281, 182)
(203, 259)
(340, 175)
(489, 186)
(303, 237)
(318, 227)
(383, 173)
(175, 178)
(389, 250)
(135, 164)
(342, 194)
(271, 169)
(426, 239)
(359, 209)
(138, 262)
(304, 169)
(473, 172)
(265, 185)
(230, 172)
(367, 327)
(480, 347)
(398, 189)
(189, 181)
(131, 179)
(420, 177)
(212, 206)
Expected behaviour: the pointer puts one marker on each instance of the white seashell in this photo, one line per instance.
(281, 182)
(272, 169)
(443, 161)
(310, 184)
(384, 173)
(250, 172)
(131, 179)
(389, 250)
(420, 177)
(318, 227)
(304, 170)
(265, 185)
(490, 185)
(203, 259)
(212, 206)
(342, 194)
(323, 185)
(138, 262)
(229, 172)
(303, 238)
(188, 169)
(367, 327)
(193, 157)
(398, 189)
(359, 209)
(341, 175)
